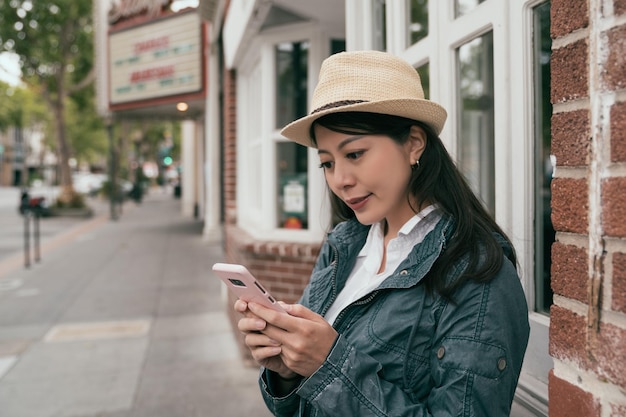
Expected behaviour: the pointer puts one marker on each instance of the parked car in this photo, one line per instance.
(88, 183)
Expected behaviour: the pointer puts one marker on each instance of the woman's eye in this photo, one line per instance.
(354, 155)
(326, 165)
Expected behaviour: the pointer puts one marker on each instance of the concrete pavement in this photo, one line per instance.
(121, 319)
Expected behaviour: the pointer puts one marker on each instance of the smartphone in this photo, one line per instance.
(241, 282)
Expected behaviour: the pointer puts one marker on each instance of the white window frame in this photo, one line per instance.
(511, 24)
(259, 217)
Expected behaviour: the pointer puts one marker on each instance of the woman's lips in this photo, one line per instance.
(357, 203)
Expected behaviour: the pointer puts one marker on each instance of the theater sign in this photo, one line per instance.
(158, 62)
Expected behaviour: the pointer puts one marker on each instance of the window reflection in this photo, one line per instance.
(544, 164)
(379, 25)
(291, 81)
(291, 103)
(462, 7)
(424, 73)
(476, 122)
(417, 26)
(292, 185)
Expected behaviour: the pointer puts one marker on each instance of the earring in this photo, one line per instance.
(415, 165)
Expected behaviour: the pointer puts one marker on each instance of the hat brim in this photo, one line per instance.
(425, 111)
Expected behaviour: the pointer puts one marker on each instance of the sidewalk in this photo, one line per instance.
(122, 319)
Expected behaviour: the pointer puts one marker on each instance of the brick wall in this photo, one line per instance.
(588, 318)
(230, 146)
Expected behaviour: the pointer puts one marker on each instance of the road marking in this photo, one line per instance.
(99, 330)
(27, 292)
(6, 363)
(10, 284)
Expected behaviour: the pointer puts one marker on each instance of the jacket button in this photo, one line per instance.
(441, 352)
(501, 364)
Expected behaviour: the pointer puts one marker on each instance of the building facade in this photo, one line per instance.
(536, 96)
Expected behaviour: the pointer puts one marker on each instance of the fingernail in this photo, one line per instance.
(275, 351)
(259, 324)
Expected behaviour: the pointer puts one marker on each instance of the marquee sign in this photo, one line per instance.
(158, 59)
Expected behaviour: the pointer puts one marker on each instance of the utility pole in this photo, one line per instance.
(112, 169)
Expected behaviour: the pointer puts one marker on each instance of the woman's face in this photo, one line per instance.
(370, 173)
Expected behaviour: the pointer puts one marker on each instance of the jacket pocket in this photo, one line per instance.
(464, 354)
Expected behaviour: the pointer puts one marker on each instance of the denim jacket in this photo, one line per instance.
(404, 352)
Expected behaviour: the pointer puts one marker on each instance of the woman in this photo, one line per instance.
(414, 306)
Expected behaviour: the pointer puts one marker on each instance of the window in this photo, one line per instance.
(475, 119)
(424, 73)
(544, 233)
(462, 7)
(417, 26)
(379, 17)
(291, 81)
(495, 87)
(291, 103)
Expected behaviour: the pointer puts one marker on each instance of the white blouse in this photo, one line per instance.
(364, 277)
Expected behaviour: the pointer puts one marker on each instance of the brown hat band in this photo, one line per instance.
(337, 104)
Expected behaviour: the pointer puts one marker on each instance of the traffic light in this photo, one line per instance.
(167, 160)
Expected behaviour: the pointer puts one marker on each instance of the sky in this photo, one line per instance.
(10, 69)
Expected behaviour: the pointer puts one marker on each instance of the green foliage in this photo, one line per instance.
(76, 201)
(20, 107)
(53, 38)
(86, 131)
(54, 42)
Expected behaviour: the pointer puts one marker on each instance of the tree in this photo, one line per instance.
(21, 110)
(54, 42)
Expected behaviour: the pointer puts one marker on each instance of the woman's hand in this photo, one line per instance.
(266, 352)
(294, 343)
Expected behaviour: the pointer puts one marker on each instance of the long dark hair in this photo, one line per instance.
(436, 180)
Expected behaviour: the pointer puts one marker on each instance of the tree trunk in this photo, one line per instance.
(67, 193)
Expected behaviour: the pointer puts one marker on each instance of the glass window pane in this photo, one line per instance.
(292, 185)
(291, 98)
(544, 233)
(337, 45)
(291, 81)
(417, 26)
(476, 124)
(424, 73)
(462, 7)
(379, 25)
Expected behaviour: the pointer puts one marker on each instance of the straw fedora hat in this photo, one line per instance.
(367, 81)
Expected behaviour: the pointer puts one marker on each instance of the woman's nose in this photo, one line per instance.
(343, 176)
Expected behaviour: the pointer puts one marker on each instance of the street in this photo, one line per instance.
(119, 319)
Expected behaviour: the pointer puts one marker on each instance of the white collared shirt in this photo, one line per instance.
(364, 277)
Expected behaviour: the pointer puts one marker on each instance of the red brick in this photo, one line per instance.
(614, 73)
(569, 67)
(230, 148)
(619, 8)
(608, 353)
(568, 400)
(568, 334)
(618, 132)
(614, 206)
(618, 300)
(571, 137)
(570, 205)
(566, 16)
(570, 276)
